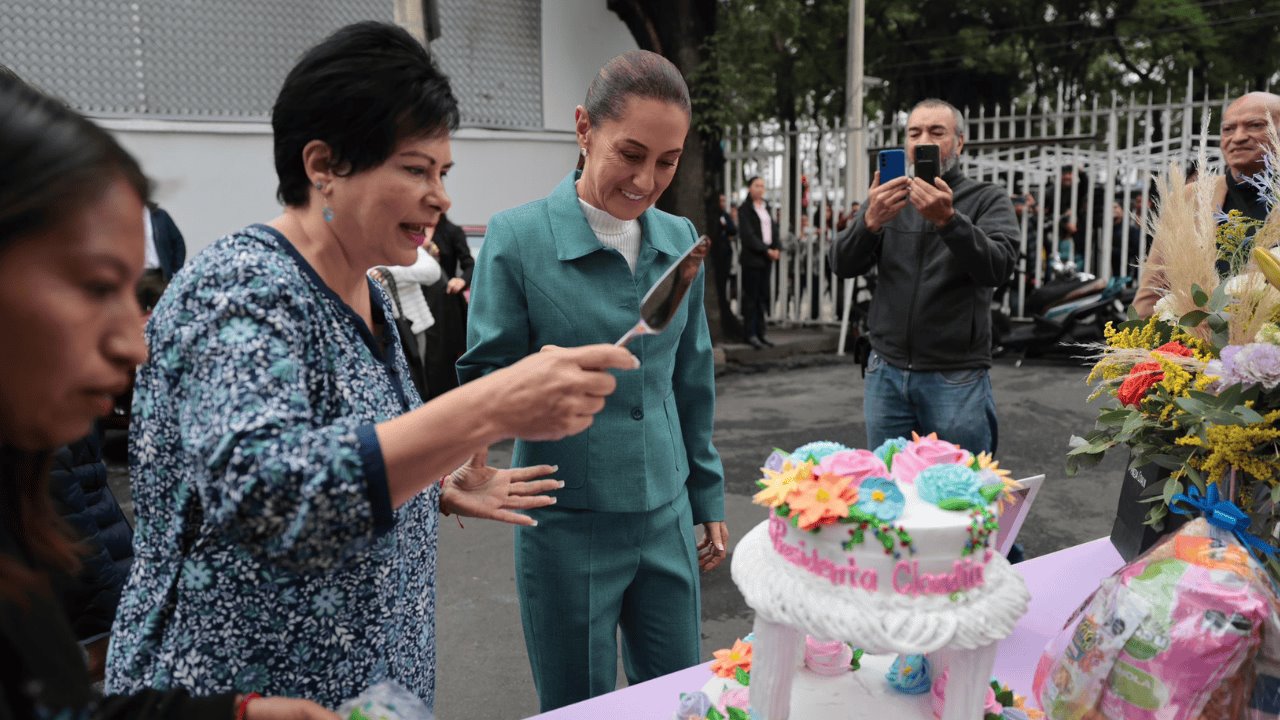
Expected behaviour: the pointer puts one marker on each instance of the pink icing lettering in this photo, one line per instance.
(908, 580)
(815, 563)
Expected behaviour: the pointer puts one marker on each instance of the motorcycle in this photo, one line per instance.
(1071, 308)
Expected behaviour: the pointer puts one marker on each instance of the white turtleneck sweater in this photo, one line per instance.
(621, 235)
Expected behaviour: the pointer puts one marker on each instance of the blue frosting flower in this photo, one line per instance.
(949, 482)
(888, 449)
(909, 674)
(1014, 714)
(817, 450)
(882, 498)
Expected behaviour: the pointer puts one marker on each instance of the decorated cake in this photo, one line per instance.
(888, 550)
(839, 681)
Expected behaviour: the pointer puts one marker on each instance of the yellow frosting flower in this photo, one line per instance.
(780, 484)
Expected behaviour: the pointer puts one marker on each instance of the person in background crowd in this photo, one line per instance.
(166, 252)
(447, 337)
(759, 244)
(722, 265)
(1121, 263)
(287, 480)
(939, 251)
(71, 251)
(409, 306)
(1245, 142)
(618, 551)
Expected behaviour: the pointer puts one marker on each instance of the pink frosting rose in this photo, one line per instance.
(737, 697)
(925, 452)
(827, 658)
(993, 706)
(856, 464)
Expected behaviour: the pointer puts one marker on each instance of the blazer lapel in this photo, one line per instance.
(574, 238)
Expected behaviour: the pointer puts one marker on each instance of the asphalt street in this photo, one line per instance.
(482, 667)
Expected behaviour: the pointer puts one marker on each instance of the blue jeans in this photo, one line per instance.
(956, 404)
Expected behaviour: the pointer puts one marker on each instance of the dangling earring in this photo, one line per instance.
(327, 212)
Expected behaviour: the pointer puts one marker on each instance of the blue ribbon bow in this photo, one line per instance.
(1220, 514)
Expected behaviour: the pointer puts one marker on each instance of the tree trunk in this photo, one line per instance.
(678, 30)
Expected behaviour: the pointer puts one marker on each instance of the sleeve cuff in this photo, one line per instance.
(375, 473)
(706, 504)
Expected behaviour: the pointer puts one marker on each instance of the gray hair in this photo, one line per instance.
(937, 103)
(637, 73)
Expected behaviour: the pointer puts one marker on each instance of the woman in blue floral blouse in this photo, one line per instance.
(285, 478)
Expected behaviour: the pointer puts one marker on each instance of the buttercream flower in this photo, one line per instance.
(909, 674)
(778, 485)
(817, 450)
(854, 464)
(822, 502)
(990, 473)
(776, 460)
(737, 697)
(693, 706)
(922, 452)
(949, 482)
(827, 657)
(1143, 375)
(888, 449)
(728, 661)
(881, 497)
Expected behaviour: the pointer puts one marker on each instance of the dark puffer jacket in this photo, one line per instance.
(78, 481)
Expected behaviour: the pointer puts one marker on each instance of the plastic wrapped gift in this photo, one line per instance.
(1187, 631)
(385, 701)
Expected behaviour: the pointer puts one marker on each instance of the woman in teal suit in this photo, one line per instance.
(618, 548)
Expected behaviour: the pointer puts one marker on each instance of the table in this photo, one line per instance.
(1059, 582)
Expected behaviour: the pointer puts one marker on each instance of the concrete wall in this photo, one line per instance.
(578, 37)
(216, 177)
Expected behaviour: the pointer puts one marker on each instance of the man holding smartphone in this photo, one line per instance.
(940, 244)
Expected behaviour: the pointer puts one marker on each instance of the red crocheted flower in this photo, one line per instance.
(1175, 348)
(1141, 378)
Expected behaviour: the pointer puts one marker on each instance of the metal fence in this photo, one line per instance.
(1112, 148)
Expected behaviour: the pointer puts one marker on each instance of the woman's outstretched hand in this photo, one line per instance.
(480, 491)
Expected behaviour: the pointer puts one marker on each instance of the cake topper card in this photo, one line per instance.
(1015, 512)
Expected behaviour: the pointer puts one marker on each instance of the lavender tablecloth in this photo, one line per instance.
(1058, 582)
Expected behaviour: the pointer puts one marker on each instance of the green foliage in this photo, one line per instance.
(742, 677)
(786, 58)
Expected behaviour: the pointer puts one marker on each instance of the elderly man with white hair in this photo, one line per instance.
(1246, 128)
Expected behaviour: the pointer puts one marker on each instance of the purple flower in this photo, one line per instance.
(1252, 364)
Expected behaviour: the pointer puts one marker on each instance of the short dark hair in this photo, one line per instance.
(752, 179)
(637, 73)
(53, 160)
(362, 90)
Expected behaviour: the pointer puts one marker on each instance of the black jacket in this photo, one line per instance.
(171, 248)
(932, 303)
(78, 482)
(752, 253)
(455, 254)
(42, 669)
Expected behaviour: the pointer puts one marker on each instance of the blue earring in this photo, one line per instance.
(328, 211)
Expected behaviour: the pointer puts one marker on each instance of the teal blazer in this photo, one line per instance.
(543, 278)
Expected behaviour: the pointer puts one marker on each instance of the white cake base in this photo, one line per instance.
(860, 695)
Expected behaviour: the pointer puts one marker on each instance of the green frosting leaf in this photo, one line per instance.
(955, 504)
(742, 677)
(991, 492)
(737, 713)
(714, 714)
(783, 510)
(856, 663)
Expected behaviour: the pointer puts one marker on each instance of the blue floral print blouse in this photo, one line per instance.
(268, 557)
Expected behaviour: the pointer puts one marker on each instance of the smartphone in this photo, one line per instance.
(893, 164)
(927, 162)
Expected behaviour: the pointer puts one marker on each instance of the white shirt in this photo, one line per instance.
(413, 305)
(766, 223)
(621, 235)
(151, 258)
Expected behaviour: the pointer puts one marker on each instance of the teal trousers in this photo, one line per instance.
(581, 575)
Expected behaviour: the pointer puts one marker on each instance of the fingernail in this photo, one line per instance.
(719, 547)
(561, 484)
(555, 468)
(553, 501)
(636, 363)
(535, 524)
